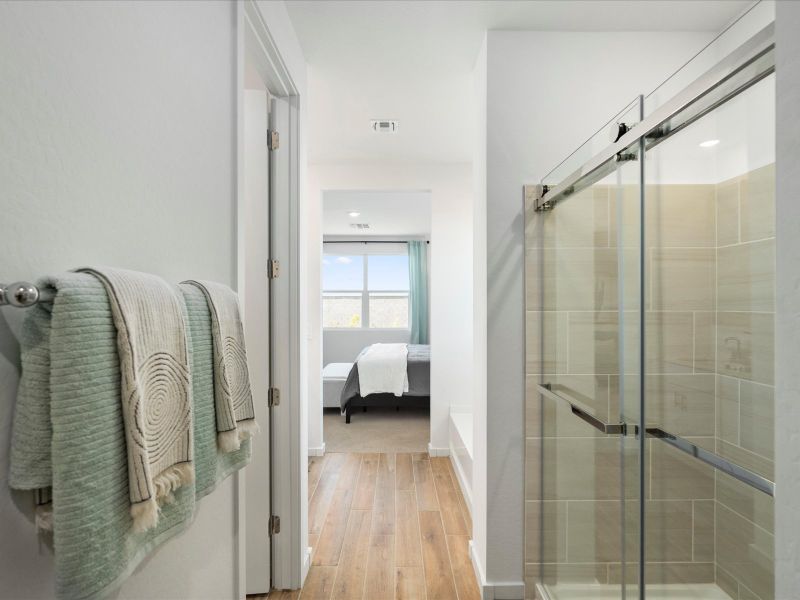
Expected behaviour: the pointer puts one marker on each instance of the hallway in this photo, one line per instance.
(387, 526)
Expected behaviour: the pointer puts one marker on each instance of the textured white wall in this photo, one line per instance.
(117, 139)
(787, 326)
(546, 93)
(450, 276)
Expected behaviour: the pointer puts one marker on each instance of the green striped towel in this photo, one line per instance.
(68, 435)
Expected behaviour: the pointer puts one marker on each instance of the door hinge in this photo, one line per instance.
(274, 525)
(273, 140)
(274, 397)
(274, 269)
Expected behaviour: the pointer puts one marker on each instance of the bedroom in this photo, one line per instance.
(375, 318)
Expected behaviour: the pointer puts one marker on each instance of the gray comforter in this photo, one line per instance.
(419, 374)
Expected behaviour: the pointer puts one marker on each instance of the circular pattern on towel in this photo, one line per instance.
(163, 408)
(237, 376)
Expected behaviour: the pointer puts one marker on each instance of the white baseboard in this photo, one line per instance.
(317, 451)
(306, 566)
(478, 568)
(438, 451)
(500, 590)
(462, 482)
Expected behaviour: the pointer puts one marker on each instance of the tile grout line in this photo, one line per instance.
(372, 527)
(316, 485)
(444, 533)
(346, 528)
(396, 522)
(419, 527)
(393, 473)
(325, 462)
(335, 482)
(461, 500)
(693, 528)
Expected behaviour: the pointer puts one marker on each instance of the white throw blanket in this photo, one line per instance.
(233, 398)
(383, 369)
(156, 391)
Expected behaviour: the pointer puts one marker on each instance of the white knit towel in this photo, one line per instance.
(233, 398)
(156, 390)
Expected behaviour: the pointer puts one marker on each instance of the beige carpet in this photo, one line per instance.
(377, 430)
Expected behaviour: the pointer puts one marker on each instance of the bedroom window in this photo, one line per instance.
(365, 291)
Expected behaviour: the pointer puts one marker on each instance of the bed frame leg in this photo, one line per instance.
(347, 414)
(364, 409)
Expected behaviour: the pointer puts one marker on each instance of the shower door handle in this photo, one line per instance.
(746, 476)
(545, 389)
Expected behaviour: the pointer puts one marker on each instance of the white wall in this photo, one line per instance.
(118, 127)
(546, 92)
(344, 346)
(118, 146)
(451, 276)
(787, 326)
(479, 496)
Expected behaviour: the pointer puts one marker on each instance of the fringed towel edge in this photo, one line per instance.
(231, 440)
(145, 514)
(44, 517)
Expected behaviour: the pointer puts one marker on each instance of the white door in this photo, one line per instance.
(285, 356)
(255, 296)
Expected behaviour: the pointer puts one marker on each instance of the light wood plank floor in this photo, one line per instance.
(386, 527)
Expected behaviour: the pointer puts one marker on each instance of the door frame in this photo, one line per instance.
(289, 550)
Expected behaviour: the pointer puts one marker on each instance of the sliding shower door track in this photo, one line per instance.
(746, 66)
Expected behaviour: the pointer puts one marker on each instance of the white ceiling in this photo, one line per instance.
(411, 61)
(388, 213)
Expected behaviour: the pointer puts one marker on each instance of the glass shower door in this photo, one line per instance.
(650, 274)
(582, 480)
(709, 365)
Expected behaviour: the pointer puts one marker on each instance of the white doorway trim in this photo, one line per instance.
(289, 552)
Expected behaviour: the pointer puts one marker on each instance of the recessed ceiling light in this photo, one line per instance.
(709, 143)
(354, 214)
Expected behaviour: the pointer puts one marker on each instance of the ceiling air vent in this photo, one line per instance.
(385, 126)
(359, 225)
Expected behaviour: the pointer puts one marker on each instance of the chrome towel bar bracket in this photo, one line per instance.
(22, 294)
(581, 412)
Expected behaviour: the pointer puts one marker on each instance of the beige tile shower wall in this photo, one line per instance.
(574, 475)
(745, 285)
(710, 332)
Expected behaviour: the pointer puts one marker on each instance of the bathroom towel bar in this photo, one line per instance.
(23, 294)
(582, 412)
(738, 472)
(752, 479)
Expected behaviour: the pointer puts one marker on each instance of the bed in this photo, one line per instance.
(419, 385)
